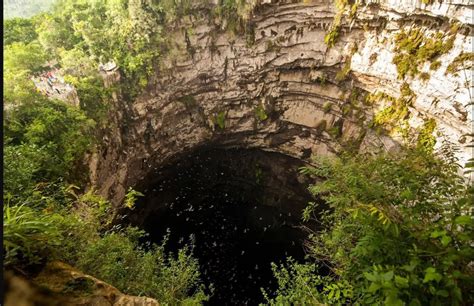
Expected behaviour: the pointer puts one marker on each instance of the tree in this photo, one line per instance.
(18, 30)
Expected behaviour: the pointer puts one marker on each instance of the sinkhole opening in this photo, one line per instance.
(241, 206)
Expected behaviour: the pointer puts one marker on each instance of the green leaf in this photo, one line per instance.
(436, 234)
(401, 282)
(387, 276)
(431, 275)
(371, 277)
(442, 293)
(463, 220)
(445, 240)
(393, 300)
(374, 287)
(415, 302)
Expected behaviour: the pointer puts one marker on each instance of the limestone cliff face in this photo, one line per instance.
(279, 87)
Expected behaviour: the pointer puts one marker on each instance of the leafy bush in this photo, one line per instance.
(118, 258)
(28, 235)
(399, 231)
(297, 284)
(18, 30)
(54, 134)
(22, 163)
(78, 232)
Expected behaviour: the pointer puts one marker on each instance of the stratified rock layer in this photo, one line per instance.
(275, 87)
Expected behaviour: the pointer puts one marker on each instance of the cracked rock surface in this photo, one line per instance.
(279, 92)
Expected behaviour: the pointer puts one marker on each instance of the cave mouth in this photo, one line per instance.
(242, 208)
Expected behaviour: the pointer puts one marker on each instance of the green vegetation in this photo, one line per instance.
(334, 132)
(344, 72)
(27, 233)
(397, 112)
(327, 107)
(414, 48)
(219, 120)
(43, 141)
(118, 258)
(346, 68)
(425, 76)
(235, 14)
(459, 62)
(78, 234)
(321, 126)
(260, 113)
(18, 30)
(426, 140)
(399, 232)
(188, 101)
(129, 34)
(435, 65)
(333, 34)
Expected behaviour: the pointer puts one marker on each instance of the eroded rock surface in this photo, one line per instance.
(61, 284)
(276, 87)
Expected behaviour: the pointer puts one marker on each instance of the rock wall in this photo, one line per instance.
(278, 87)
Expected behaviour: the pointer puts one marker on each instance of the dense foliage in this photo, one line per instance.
(399, 232)
(79, 233)
(45, 141)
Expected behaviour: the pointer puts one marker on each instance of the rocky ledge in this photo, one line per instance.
(279, 87)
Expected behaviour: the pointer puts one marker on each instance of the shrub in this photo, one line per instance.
(28, 235)
(297, 284)
(60, 134)
(399, 230)
(118, 258)
(18, 30)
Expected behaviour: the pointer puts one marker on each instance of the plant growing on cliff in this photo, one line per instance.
(260, 113)
(414, 48)
(399, 231)
(394, 116)
(28, 235)
(131, 197)
(426, 140)
(332, 35)
(119, 259)
(464, 60)
(219, 120)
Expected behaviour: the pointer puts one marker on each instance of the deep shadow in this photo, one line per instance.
(242, 208)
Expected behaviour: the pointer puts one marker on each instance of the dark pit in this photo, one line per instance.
(242, 209)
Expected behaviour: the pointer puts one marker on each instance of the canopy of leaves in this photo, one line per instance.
(18, 30)
(43, 141)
